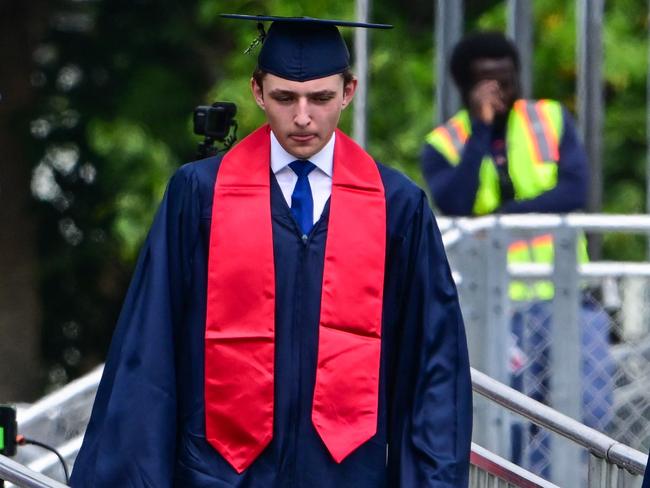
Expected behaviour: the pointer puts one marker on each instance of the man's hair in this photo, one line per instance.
(259, 74)
(481, 45)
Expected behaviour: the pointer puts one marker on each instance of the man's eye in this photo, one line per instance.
(322, 99)
(283, 98)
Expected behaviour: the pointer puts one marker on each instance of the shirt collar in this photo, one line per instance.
(323, 159)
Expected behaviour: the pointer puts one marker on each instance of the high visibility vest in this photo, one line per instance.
(534, 130)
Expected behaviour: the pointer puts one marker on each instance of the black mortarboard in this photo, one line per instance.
(303, 48)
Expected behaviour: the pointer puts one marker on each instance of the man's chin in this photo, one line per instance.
(301, 151)
(305, 155)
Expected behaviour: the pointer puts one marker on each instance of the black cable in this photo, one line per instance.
(21, 440)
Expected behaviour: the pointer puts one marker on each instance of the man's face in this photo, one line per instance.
(501, 70)
(303, 115)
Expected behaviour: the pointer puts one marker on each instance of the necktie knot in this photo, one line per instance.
(302, 167)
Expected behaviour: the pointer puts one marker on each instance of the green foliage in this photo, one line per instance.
(400, 97)
(111, 127)
(140, 165)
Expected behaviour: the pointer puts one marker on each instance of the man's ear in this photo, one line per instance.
(348, 92)
(258, 94)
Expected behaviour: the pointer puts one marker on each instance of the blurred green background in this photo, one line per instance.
(95, 115)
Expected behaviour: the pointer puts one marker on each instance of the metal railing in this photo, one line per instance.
(75, 400)
(610, 395)
(609, 459)
(611, 464)
(21, 476)
(487, 470)
(58, 419)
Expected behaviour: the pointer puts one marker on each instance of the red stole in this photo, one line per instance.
(240, 318)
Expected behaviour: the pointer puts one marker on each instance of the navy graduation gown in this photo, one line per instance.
(147, 428)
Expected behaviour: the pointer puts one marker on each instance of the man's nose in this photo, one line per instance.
(302, 117)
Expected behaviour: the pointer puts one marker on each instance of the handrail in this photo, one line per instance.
(454, 228)
(86, 384)
(20, 475)
(596, 442)
(597, 269)
(480, 457)
(505, 470)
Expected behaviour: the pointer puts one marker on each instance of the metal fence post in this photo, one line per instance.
(471, 262)
(602, 474)
(448, 29)
(597, 468)
(497, 333)
(566, 384)
(589, 17)
(520, 30)
(360, 129)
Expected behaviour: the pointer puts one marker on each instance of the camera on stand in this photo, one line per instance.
(216, 123)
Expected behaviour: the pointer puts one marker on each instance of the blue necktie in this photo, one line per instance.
(302, 203)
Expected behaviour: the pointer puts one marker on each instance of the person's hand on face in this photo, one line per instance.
(486, 101)
(494, 89)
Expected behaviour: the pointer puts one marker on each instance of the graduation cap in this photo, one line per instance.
(303, 48)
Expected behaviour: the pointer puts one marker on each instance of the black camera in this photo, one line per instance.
(215, 121)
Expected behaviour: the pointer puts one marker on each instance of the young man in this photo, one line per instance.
(505, 154)
(292, 321)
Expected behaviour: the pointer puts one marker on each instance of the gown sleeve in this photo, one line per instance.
(430, 442)
(131, 437)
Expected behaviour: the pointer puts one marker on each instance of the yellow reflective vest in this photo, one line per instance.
(534, 131)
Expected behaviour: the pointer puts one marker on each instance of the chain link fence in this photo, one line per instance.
(631, 354)
(585, 352)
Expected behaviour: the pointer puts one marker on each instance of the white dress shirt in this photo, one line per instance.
(320, 179)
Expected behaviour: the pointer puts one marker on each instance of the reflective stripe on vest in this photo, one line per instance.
(450, 138)
(539, 249)
(541, 131)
